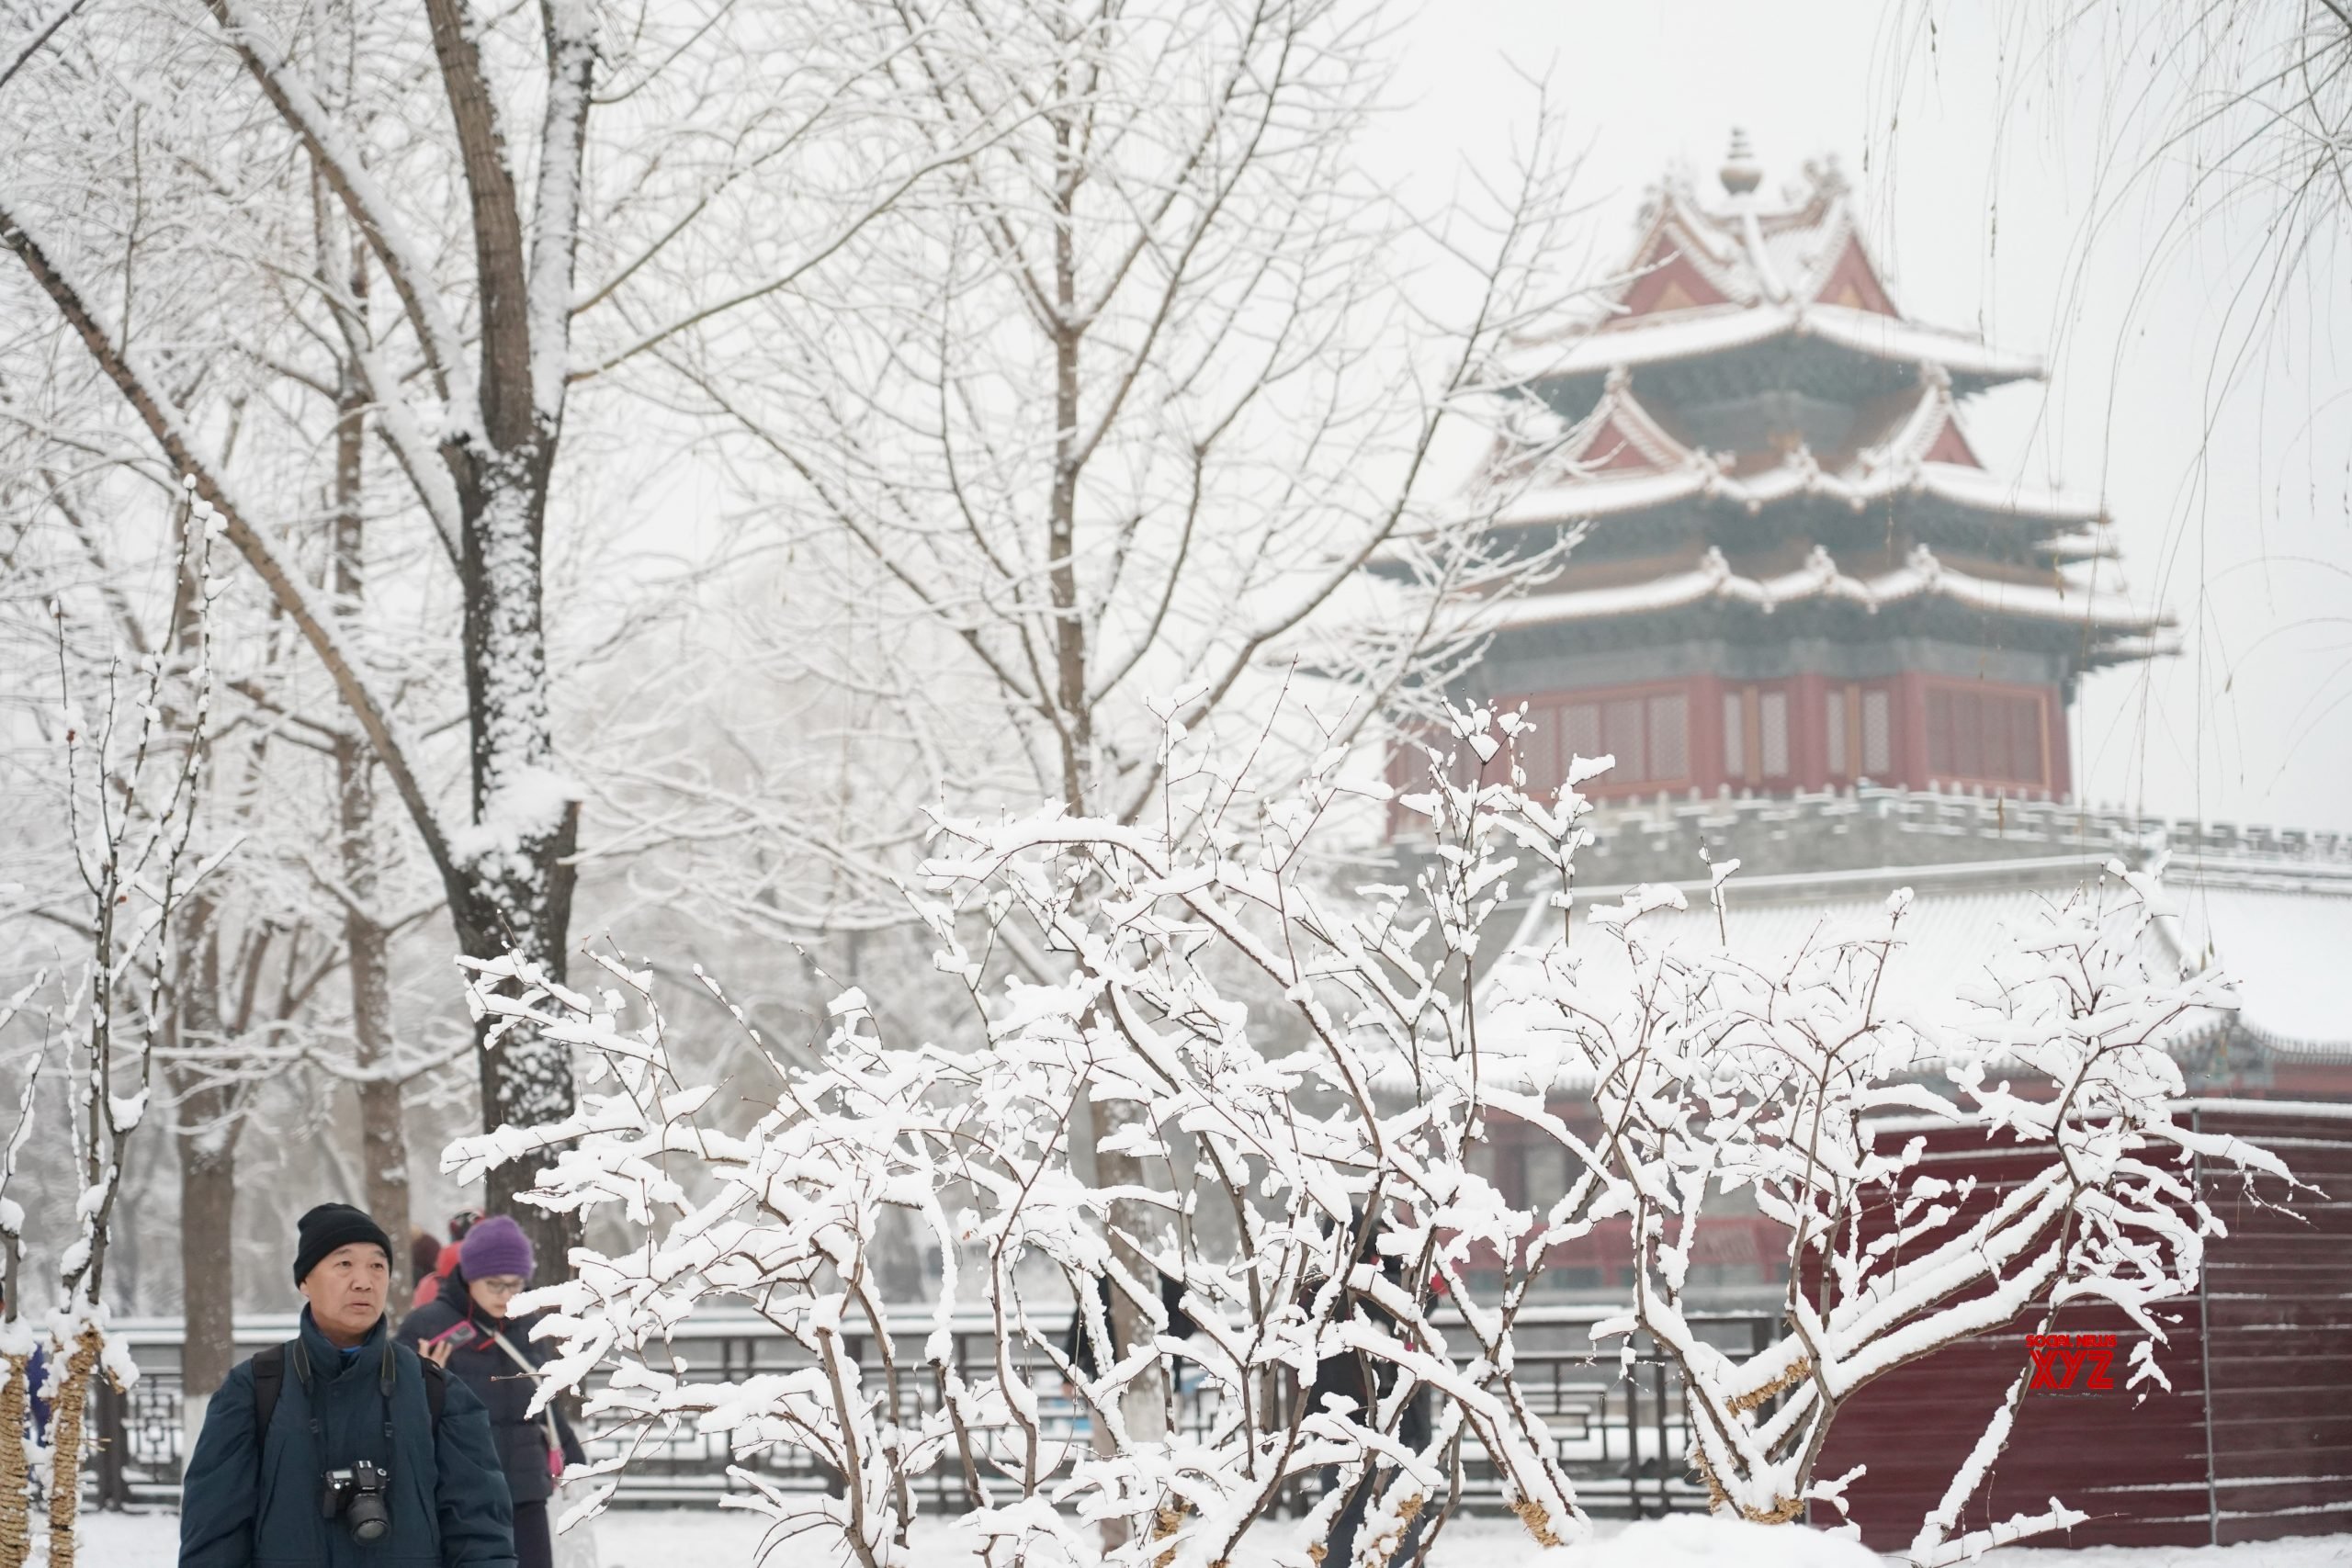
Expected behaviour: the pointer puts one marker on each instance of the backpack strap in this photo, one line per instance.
(436, 1388)
(436, 1381)
(270, 1378)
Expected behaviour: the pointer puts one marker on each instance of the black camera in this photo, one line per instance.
(360, 1497)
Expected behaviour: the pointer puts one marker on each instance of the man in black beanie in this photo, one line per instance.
(340, 1449)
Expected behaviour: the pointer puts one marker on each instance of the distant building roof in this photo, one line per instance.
(2119, 628)
(1625, 458)
(1713, 272)
(2273, 912)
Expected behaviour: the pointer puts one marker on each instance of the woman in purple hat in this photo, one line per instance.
(467, 1331)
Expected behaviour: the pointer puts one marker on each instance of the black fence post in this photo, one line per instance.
(113, 1440)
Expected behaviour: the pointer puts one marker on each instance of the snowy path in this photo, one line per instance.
(664, 1538)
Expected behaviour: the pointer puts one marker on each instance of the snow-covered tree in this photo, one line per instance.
(1125, 400)
(260, 942)
(1124, 397)
(134, 757)
(480, 462)
(1323, 1230)
(365, 215)
(1312, 1191)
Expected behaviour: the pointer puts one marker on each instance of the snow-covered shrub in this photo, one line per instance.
(1318, 1214)
(1303, 1073)
(1712, 1074)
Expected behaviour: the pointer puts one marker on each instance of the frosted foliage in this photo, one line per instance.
(133, 768)
(1311, 1070)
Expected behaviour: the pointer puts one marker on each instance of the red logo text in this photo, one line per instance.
(2071, 1363)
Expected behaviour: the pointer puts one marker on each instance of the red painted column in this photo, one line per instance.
(1809, 732)
(1910, 737)
(1706, 700)
(2058, 743)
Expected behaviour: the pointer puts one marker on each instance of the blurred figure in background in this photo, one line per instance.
(36, 1374)
(428, 1288)
(424, 1263)
(466, 1330)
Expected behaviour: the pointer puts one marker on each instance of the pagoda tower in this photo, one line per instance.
(1796, 576)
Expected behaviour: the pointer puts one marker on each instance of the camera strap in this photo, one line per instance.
(302, 1356)
(385, 1375)
(271, 1377)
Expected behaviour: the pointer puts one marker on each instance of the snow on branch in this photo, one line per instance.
(133, 772)
(1306, 1072)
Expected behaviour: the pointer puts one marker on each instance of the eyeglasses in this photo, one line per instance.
(502, 1285)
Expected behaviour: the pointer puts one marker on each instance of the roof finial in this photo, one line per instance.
(1741, 173)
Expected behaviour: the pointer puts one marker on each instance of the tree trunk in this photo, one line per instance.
(207, 1138)
(208, 1105)
(383, 1129)
(207, 1263)
(16, 1475)
(516, 893)
(1145, 1404)
(208, 1273)
(510, 886)
(65, 1452)
(383, 1133)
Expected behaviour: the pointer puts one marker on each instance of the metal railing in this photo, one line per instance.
(1620, 1424)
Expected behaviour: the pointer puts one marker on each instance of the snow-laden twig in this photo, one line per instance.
(132, 781)
(1306, 1077)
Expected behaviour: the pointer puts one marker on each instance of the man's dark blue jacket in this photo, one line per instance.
(249, 1505)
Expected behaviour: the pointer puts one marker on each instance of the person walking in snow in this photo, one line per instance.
(340, 1449)
(467, 1331)
(428, 1284)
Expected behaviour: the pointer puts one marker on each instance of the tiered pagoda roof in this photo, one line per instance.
(1725, 275)
(1754, 424)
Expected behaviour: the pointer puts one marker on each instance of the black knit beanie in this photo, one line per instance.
(329, 1226)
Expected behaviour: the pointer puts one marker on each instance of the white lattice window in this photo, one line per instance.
(1669, 756)
(1772, 728)
(1878, 738)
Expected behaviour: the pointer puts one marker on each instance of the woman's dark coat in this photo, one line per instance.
(520, 1437)
(251, 1499)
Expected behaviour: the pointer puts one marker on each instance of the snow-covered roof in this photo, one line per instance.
(1751, 249)
(1730, 269)
(1696, 333)
(2278, 932)
(2283, 940)
(1623, 459)
(1711, 579)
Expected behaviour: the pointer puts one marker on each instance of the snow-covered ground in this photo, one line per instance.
(706, 1539)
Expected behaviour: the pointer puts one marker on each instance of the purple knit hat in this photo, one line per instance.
(495, 1246)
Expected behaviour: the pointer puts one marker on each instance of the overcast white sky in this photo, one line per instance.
(1974, 165)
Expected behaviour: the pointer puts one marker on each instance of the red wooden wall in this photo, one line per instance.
(2252, 1442)
(1707, 768)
